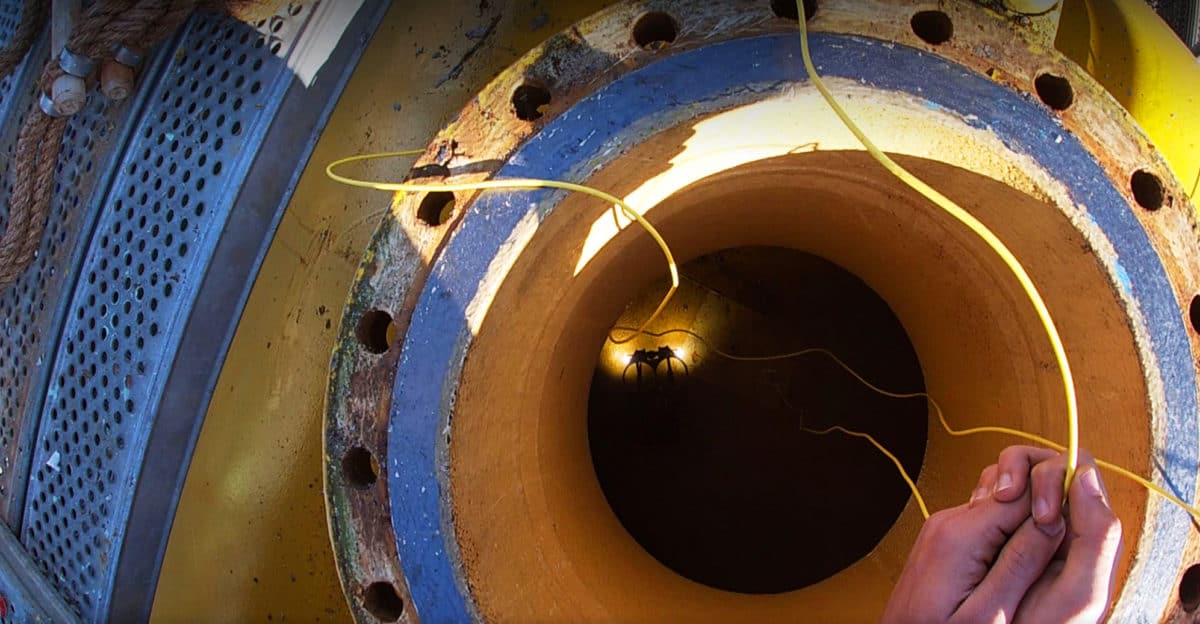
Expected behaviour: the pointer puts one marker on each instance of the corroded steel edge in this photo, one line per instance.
(573, 64)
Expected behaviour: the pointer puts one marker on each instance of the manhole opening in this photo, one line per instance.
(705, 461)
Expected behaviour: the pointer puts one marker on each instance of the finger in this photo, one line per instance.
(1015, 464)
(1047, 490)
(1086, 580)
(988, 524)
(987, 482)
(1020, 564)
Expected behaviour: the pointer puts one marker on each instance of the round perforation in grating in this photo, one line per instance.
(164, 213)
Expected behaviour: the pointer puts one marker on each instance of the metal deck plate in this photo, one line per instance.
(97, 332)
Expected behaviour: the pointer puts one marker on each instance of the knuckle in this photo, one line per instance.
(940, 534)
(1015, 454)
(1112, 526)
(1019, 559)
(1039, 472)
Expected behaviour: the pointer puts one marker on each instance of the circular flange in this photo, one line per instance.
(601, 97)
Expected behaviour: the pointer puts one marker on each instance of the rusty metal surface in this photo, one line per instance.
(580, 60)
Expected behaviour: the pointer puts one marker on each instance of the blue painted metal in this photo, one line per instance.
(695, 83)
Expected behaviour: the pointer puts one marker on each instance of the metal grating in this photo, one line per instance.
(149, 254)
(29, 309)
(14, 334)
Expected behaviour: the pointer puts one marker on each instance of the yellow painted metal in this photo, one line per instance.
(250, 540)
(1141, 62)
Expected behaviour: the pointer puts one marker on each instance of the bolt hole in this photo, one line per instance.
(933, 27)
(376, 331)
(655, 31)
(360, 467)
(1189, 585)
(787, 9)
(1055, 91)
(382, 601)
(436, 208)
(528, 101)
(1194, 314)
(1147, 189)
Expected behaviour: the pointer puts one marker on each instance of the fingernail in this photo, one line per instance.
(978, 495)
(1041, 508)
(1005, 482)
(1052, 529)
(1090, 482)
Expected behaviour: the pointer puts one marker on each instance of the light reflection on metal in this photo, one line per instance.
(651, 361)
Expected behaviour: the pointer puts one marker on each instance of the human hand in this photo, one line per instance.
(1077, 584)
(1006, 555)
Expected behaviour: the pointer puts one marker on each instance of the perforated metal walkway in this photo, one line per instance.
(111, 341)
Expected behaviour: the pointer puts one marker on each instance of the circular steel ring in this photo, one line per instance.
(425, 367)
(76, 64)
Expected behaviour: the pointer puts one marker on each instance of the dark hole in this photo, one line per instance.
(933, 27)
(374, 331)
(708, 466)
(1194, 313)
(655, 30)
(1147, 190)
(382, 601)
(1189, 588)
(436, 207)
(528, 101)
(787, 9)
(1055, 91)
(360, 467)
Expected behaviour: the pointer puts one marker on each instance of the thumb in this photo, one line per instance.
(1086, 581)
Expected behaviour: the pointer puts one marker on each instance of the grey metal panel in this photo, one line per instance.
(32, 309)
(276, 168)
(169, 260)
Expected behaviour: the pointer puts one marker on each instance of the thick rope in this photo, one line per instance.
(33, 186)
(103, 27)
(33, 18)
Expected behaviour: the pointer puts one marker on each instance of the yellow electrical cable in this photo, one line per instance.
(981, 230)
(515, 183)
(895, 169)
(937, 408)
(895, 460)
